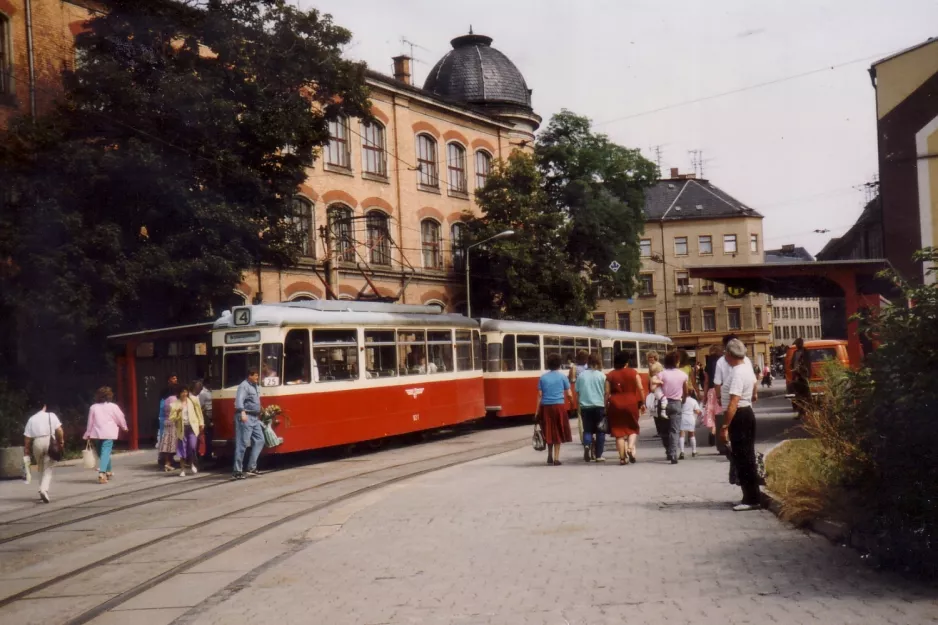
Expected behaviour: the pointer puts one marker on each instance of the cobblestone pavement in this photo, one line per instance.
(511, 540)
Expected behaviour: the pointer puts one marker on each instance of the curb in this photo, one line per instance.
(122, 454)
(834, 531)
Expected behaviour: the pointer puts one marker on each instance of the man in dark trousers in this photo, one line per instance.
(740, 424)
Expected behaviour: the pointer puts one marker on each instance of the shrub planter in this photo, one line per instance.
(11, 462)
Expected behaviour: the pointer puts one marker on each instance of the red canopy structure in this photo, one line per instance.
(856, 281)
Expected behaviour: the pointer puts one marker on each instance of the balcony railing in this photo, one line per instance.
(684, 289)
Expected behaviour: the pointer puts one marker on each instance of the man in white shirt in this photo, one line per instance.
(39, 431)
(740, 426)
(721, 384)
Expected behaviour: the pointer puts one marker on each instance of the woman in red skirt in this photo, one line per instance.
(625, 404)
(553, 389)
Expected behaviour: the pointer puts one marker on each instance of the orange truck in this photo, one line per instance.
(819, 353)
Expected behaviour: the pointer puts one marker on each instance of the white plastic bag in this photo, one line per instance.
(89, 458)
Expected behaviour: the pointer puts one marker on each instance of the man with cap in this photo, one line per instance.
(740, 424)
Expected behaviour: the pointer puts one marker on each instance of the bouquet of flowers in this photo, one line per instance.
(269, 416)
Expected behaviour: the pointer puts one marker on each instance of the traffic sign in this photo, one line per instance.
(615, 266)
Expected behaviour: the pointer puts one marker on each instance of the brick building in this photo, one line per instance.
(382, 209)
(37, 42)
(690, 222)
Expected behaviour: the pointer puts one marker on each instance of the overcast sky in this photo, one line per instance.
(798, 151)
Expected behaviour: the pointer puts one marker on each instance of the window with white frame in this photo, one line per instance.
(682, 282)
(735, 318)
(754, 243)
(428, 173)
(624, 321)
(683, 321)
(483, 168)
(758, 317)
(705, 245)
(599, 320)
(680, 246)
(456, 168)
(645, 248)
(303, 219)
(338, 153)
(709, 320)
(707, 286)
(431, 244)
(378, 236)
(374, 156)
(646, 284)
(458, 241)
(729, 243)
(648, 321)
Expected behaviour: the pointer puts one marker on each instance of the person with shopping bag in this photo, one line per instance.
(105, 422)
(186, 416)
(37, 440)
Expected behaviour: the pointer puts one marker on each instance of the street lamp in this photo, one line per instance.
(500, 235)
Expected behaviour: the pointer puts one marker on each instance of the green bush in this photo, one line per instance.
(14, 406)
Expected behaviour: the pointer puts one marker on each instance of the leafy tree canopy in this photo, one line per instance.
(524, 276)
(599, 187)
(167, 171)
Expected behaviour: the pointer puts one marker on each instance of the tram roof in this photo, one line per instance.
(353, 314)
(500, 325)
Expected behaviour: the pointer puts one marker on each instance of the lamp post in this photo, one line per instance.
(500, 235)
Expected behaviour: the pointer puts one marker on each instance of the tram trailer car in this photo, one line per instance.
(517, 351)
(346, 372)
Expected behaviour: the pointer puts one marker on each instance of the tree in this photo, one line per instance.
(599, 186)
(167, 171)
(526, 276)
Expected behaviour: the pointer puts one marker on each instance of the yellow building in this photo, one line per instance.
(381, 212)
(907, 123)
(690, 222)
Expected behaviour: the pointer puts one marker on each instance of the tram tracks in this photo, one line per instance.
(377, 478)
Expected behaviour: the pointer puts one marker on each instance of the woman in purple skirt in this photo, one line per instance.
(186, 417)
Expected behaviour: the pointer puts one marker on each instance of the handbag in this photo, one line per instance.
(537, 439)
(55, 450)
(603, 425)
(579, 421)
(89, 458)
(270, 437)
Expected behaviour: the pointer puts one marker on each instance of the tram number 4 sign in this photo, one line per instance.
(242, 316)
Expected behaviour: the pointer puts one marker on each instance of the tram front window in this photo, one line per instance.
(271, 363)
(335, 355)
(237, 362)
(296, 365)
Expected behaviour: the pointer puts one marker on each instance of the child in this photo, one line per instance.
(689, 414)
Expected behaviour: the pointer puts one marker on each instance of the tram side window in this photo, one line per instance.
(629, 348)
(237, 362)
(440, 346)
(380, 354)
(594, 346)
(551, 346)
(412, 352)
(335, 353)
(568, 351)
(493, 357)
(271, 363)
(296, 365)
(643, 349)
(529, 352)
(508, 353)
(479, 350)
(463, 350)
(607, 358)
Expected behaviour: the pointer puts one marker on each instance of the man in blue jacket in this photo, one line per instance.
(248, 427)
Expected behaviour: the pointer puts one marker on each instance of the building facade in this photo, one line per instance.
(382, 210)
(906, 86)
(37, 41)
(797, 316)
(690, 222)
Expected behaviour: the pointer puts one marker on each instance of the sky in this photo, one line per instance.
(799, 150)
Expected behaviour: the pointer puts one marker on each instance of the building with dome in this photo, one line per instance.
(382, 210)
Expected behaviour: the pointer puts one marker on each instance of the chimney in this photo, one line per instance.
(788, 249)
(402, 68)
(673, 173)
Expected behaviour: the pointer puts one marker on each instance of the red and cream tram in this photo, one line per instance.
(344, 372)
(516, 353)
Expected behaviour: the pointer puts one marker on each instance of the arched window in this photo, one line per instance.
(303, 297)
(379, 241)
(431, 244)
(304, 221)
(337, 152)
(483, 167)
(374, 159)
(340, 224)
(427, 175)
(458, 238)
(437, 303)
(6, 57)
(456, 166)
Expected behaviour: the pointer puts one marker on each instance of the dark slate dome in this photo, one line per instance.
(476, 73)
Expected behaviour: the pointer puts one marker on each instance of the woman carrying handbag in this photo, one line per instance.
(105, 422)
